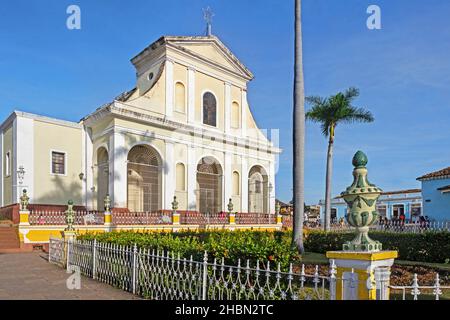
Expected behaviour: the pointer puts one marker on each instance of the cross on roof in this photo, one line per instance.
(208, 14)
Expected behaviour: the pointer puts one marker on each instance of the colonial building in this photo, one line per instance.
(390, 205)
(185, 130)
(436, 194)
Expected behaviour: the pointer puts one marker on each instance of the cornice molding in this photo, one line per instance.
(116, 109)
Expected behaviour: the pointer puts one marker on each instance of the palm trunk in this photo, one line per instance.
(328, 178)
(298, 134)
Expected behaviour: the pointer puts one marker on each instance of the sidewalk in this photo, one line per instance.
(30, 276)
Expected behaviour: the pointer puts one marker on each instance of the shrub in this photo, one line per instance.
(425, 247)
(226, 245)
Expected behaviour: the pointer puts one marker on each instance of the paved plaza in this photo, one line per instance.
(30, 276)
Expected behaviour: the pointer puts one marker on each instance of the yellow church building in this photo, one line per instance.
(185, 130)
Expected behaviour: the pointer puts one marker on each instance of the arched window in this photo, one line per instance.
(180, 97)
(235, 115)
(209, 109)
(236, 183)
(180, 171)
(209, 185)
(144, 179)
(258, 190)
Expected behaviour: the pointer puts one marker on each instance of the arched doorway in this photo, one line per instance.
(144, 179)
(209, 185)
(102, 177)
(258, 190)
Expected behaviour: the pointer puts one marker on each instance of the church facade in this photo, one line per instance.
(184, 131)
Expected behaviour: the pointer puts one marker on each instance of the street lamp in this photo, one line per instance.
(21, 174)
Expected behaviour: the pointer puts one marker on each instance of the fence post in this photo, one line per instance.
(333, 272)
(382, 277)
(135, 252)
(107, 214)
(94, 259)
(205, 276)
(68, 252)
(231, 215)
(175, 214)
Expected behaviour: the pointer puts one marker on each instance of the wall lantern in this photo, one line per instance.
(21, 174)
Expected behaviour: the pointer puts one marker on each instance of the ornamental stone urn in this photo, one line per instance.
(361, 198)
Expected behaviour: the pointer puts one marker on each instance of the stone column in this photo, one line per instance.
(169, 176)
(118, 153)
(191, 95)
(89, 171)
(244, 184)
(227, 179)
(191, 179)
(272, 195)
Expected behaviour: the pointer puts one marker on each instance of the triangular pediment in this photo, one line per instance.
(210, 49)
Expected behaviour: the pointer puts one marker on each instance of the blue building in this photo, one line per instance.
(436, 194)
(390, 204)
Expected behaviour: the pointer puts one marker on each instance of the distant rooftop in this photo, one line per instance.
(444, 173)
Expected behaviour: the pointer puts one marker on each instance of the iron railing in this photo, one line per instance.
(255, 218)
(415, 291)
(142, 218)
(162, 275)
(59, 218)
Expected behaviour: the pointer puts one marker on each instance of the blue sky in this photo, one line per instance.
(402, 71)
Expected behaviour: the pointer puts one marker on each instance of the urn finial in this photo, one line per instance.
(361, 198)
(360, 159)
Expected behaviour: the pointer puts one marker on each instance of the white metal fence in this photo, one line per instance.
(161, 275)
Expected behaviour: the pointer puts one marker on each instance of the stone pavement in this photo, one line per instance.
(30, 276)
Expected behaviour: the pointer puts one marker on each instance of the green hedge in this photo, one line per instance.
(275, 246)
(252, 245)
(424, 247)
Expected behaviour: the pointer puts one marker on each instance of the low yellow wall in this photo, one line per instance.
(41, 234)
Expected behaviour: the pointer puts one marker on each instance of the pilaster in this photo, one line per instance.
(169, 88)
(191, 95)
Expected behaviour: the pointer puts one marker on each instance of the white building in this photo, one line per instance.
(185, 130)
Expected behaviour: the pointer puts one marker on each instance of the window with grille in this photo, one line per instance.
(209, 109)
(58, 162)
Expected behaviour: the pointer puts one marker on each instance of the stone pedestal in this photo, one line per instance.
(24, 217)
(69, 235)
(355, 274)
(108, 221)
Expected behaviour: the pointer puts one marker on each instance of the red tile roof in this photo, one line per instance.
(437, 174)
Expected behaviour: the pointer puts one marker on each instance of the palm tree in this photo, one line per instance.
(298, 133)
(330, 112)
